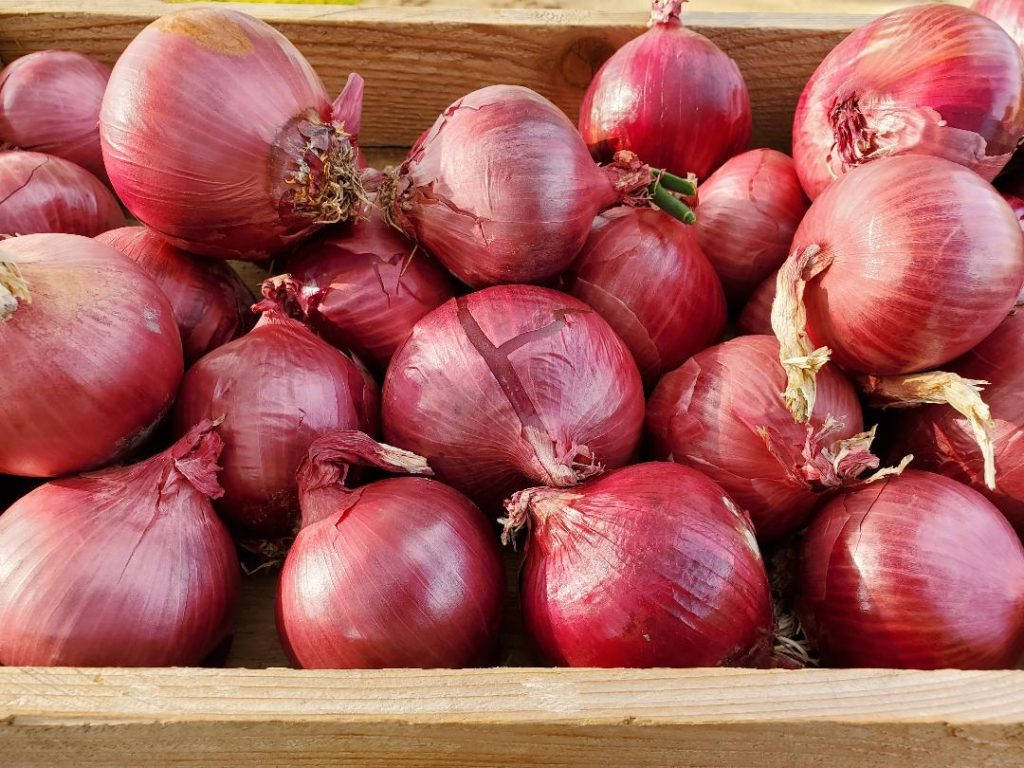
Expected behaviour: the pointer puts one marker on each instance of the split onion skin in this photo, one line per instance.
(644, 272)
(93, 351)
(125, 567)
(512, 386)
(913, 572)
(647, 566)
(930, 79)
(210, 301)
(50, 103)
(42, 193)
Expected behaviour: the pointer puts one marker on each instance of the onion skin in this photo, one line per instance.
(926, 260)
(218, 135)
(277, 388)
(645, 274)
(32, 86)
(210, 301)
(423, 544)
(671, 96)
(647, 566)
(42, 193)
(1009, 14)
(126, 567)
(749, 211)
(900, 575)
(756, 317)
(511, 386)
(95, 355)
(708, 413)
(929, 79)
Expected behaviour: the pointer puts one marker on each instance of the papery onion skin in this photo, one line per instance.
(43, 193)
(512, 386)
(648, 566)
(126, 567)
(916, 571)
(50, 103)
(645, 274)
(1009, 14)
(671, 96)
(748, 213)
(756, 317)
(218, 135)
(277, 388)
(92, 355)
(502, 190)
(210, 301)
(926, 260)
(929, 79)
(707, 414)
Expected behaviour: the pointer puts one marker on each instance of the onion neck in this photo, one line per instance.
(532, 508)
(636, 184)
(666, 12)
(13, 289)
(284, 298)
(194, 457)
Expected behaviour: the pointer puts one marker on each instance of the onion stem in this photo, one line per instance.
(672, 205)
(675, 183)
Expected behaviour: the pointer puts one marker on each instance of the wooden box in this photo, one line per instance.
(416, 59)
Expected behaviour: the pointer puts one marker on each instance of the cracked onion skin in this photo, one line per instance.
(645, 274)
(512, 386)
(913, 572)
(647, 566)
(930, 79)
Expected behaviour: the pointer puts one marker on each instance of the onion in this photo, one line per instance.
(930, 79)
(91, 354)
(126, 567)
(50, 103)
(511, 386)
(756, 317)
(42, 193)
(648, 566)
(917, 571)
(645, 274)
(749, 210)
(1009, 14)
(502, 190)
(421, 544)
(209, 299)
(277, 388)
(671, 96)
(218, 135)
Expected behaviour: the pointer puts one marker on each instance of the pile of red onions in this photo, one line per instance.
(50, 103)
(403, 572)
(126, 567)
(277, 389)
(92, 356)
(210, 301)
(671, 96)
(749, 210)
(218, 135)
(43, 193)
(514, 386)
(916, 571)
(649, 566)
(931, 79)
(645, 274)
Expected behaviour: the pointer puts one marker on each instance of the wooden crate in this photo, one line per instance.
(416, 60)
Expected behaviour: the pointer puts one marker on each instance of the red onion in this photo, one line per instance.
(648, 566)
(277, 388)
(421, 544)
(917, 571)
(42, 193)
(645, 274)
(210, 301)
(722, 414)
(514, 385)
(126, 567)
(930, 79)
(365, 286)
(502, 190)
(671, 96)
(92, 355)
(749, 210)
(1009, 14)
(756, 317)
(50, 103)
(218, 135)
